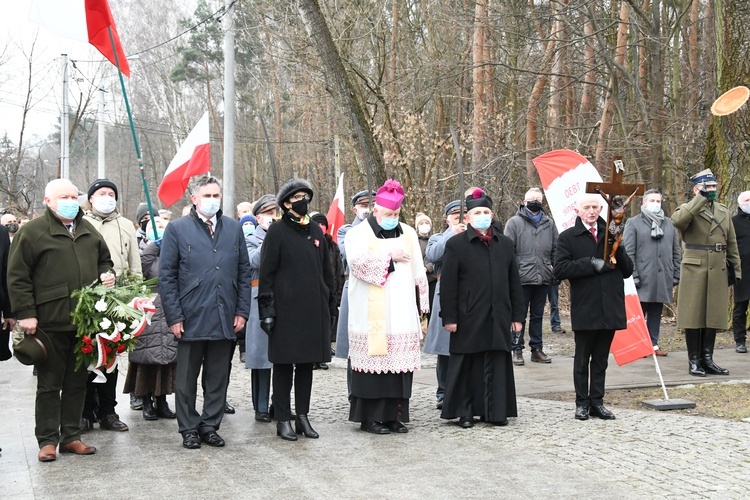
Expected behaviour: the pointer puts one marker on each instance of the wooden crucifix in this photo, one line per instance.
(614, 192)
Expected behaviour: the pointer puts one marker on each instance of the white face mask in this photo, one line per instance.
(209, 206)
(362, 213)
(104, 204)
(424, 229)
(745, 207)
(653, 206)
(264, 221)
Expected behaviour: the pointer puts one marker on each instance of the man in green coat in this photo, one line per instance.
(51, 256)
(708, 242)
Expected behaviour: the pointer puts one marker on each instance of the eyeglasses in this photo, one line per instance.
(300, 196)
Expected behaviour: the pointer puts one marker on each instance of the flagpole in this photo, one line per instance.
(135, 136)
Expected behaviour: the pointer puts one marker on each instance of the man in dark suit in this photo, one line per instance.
(205, 290)
(741, 223)
(597, 301)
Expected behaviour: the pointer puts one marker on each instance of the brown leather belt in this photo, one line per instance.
(718, 247)
(254, 283)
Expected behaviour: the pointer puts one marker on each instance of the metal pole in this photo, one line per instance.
(64, 129)
(229, 100)
(100, 118)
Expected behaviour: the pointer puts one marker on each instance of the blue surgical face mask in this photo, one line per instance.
(248, 229)
(388, 224)
(67, 209)
(653, 206)
(481, 222)
(159, 233)
(209, 206)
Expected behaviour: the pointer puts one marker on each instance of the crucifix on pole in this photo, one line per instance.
(614, 192)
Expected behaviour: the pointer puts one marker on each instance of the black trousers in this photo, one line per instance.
(590, 365)
(739, 321)
(101, 398)
(283, 377)
(213, 356)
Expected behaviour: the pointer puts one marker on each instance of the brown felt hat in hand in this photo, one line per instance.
(32, 349)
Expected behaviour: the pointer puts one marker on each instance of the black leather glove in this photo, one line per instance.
(266, 324)
(637, 282)
(599, 265)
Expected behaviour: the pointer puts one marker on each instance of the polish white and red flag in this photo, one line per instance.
(335, 214)
(193, 158)
(564, 174)
(89, 21)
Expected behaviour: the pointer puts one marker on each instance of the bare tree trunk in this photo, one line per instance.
(609, 102)
(693, 59)
(479, 87)
(339, 84)
(532, 112)
(554, 109)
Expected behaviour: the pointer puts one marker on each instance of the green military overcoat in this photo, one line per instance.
(703, 299)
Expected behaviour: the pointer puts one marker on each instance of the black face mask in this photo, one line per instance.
(534, 205)
(143, 225)
(300, 207)
(12, 227)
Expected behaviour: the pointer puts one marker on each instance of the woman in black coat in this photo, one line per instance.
(481, 300)
(295, 305)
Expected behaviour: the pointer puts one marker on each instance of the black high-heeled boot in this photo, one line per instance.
(707, 358)
(149, 412)
(285, 431)
(162, 407)
(693, 343)
(302, 424)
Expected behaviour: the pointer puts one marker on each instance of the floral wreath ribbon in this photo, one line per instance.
(142, 304)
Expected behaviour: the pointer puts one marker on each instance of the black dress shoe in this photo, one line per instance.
(262, 416)
(136, 403)
(500, 423)
(86, 425)
(302, 426)
(582, 412)
(439, 404)
(601, 412)
(285, 431)
(212, 438)
(323, 366)
(374, 427)
(396, 427)
(228, 408)
(466, 422)
(741, 348)
(190, 440)
(112, 422)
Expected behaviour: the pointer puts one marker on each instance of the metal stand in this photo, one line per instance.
(666, 403)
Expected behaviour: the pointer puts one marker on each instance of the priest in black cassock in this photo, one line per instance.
(481, 302)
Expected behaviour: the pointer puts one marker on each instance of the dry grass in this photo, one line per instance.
(727, 400)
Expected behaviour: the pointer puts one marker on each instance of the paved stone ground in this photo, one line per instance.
(543, 453)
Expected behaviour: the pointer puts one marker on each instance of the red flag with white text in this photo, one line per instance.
(564, 174)
(193, 158)
(85, 20)
(335, 214)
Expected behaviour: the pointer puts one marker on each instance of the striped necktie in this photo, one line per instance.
(210, 226)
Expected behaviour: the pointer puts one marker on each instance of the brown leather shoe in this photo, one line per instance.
(538, 356)
(659, 352)
(77, 448)
(47, 453)
(517, 357)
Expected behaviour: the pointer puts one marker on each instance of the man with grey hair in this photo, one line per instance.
(741, 223)
(534, 238)
(597, 301)
(244, 208)
(61, 240)
(206, 298)
(652, 243)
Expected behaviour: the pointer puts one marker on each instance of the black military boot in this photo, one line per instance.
(707, 353)
(162, 407)
(149, 411)
(693, 342)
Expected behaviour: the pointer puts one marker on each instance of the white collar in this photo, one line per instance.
(204, 219)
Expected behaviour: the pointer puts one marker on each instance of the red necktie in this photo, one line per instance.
(592, 230)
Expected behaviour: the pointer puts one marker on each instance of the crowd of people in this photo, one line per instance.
(272, 281)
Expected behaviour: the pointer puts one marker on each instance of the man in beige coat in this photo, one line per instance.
(119, 233)
(709, 242)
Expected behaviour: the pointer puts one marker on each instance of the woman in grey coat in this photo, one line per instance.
(653, 244)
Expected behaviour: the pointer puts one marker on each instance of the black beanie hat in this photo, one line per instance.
(100, 183)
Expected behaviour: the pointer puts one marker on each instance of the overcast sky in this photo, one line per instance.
(16, 36)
